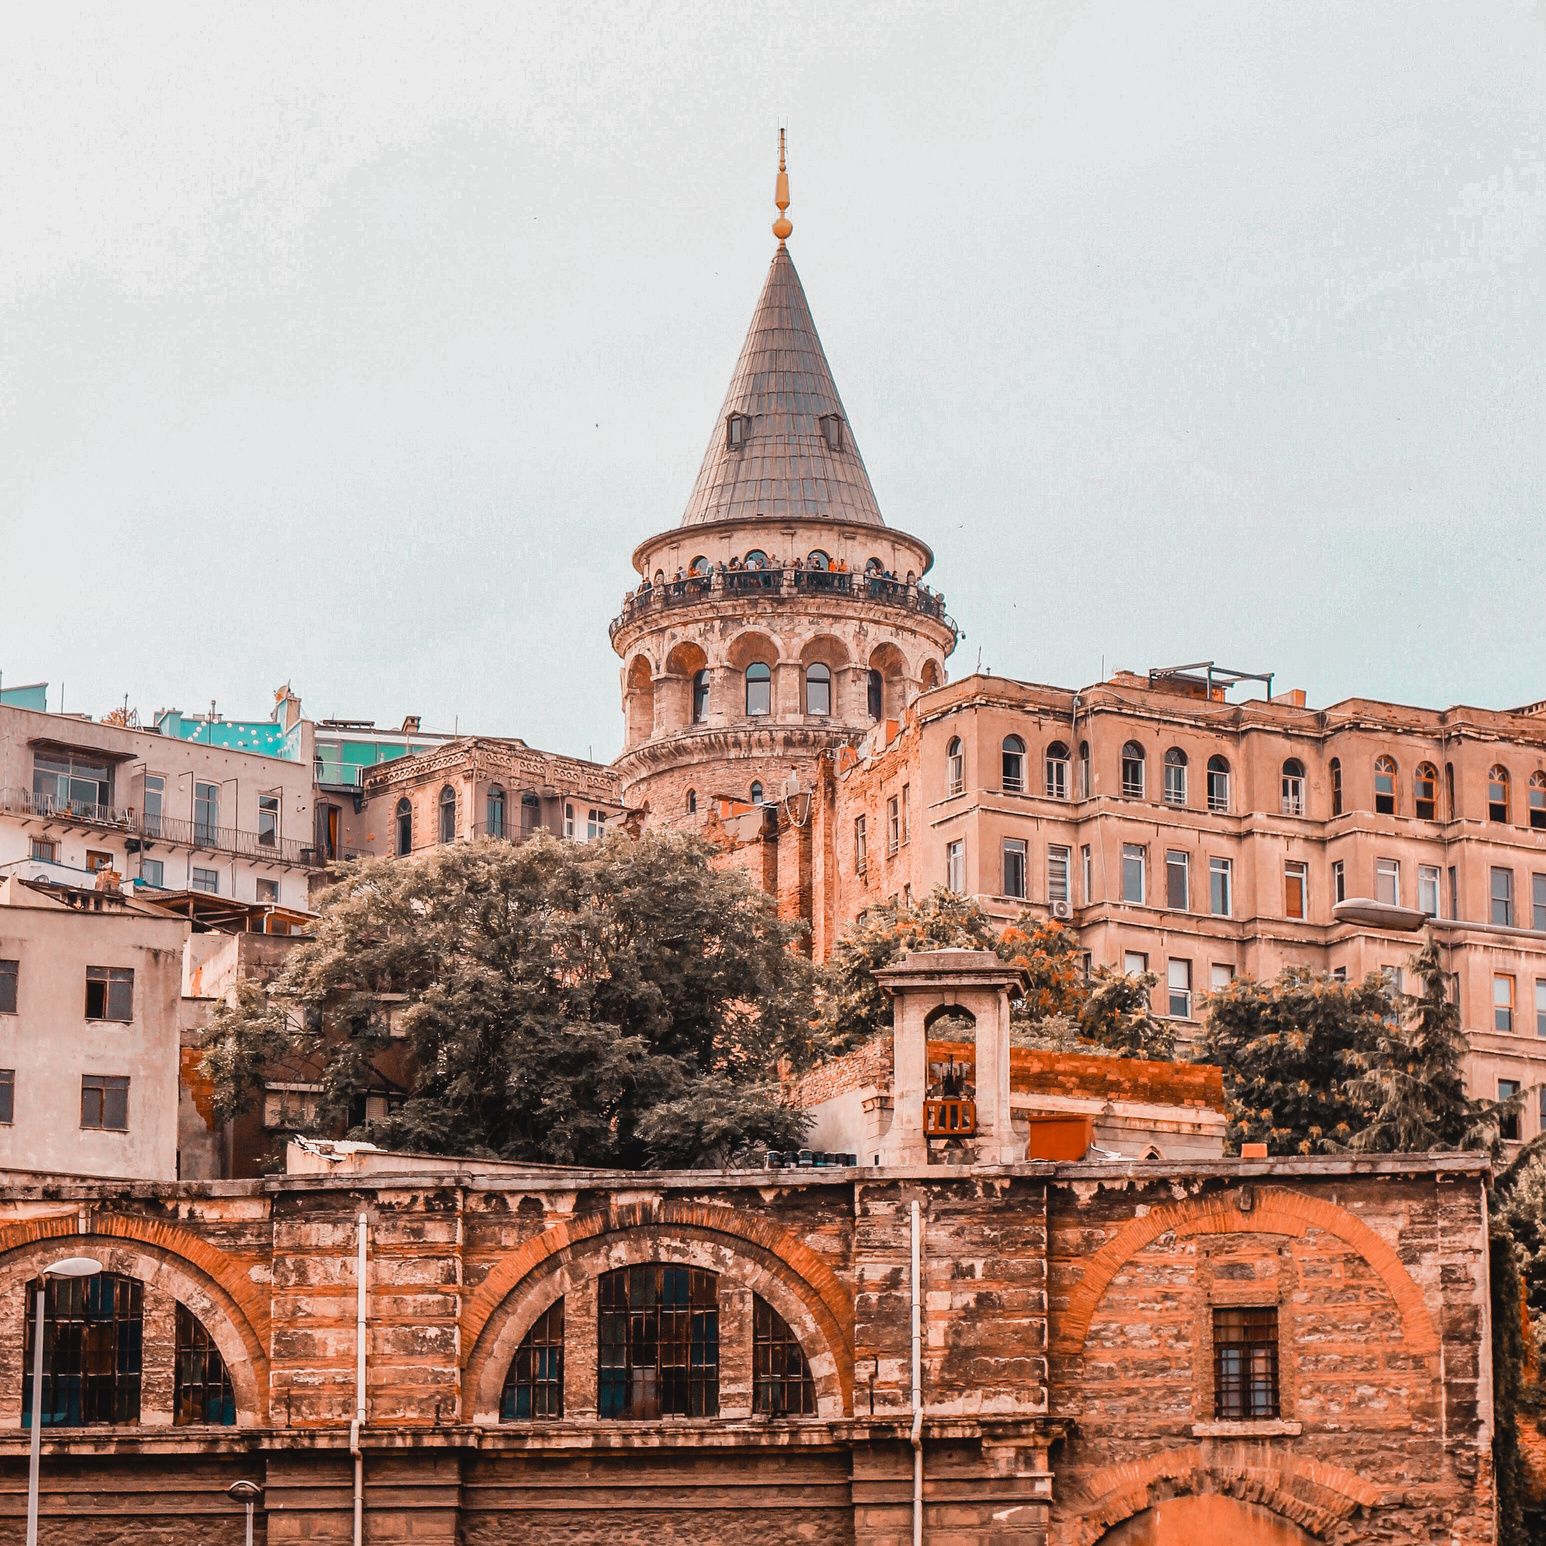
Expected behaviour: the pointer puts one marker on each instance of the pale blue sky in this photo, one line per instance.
(358, 346)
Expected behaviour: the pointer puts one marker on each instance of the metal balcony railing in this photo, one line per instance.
(161, 829)
(781, 583)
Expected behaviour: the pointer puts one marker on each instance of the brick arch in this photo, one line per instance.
(1275, 1211)
(789, 1258)
(1311, 1493)
(26, 1247)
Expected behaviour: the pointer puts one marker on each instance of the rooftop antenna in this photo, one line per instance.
(783, 227)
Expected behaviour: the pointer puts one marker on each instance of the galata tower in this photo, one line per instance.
(783, 617)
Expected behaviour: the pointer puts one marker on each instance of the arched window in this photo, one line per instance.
(1538, 800)
(1218, 784)
(781, 1376)
(1175, 776)
(699, 565)
(1132, 771)
(818, 689)
(1291, 802)
(1425, 791)
(534, 1387)
(203, 1393)
(496, 812)
(1056, 771)
(1385, 786)
(448, 815)
(1334, 767)
(874, 566)
(818, 560)
(1014, 765)
(93, 1332)
(955, 766)
(756, 559)
(757, 792)
(531, 813)
(759, 689)
(700, 696)
(1497, 794)
(404, 826)
(877, 694)
(692, 802)
(1084, 770)
(658, 1340)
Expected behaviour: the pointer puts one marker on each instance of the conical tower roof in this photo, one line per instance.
(786, 463)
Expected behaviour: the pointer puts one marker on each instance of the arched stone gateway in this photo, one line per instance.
(1198, 1520)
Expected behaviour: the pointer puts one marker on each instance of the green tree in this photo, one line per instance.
(610, 1003)
(1117, 1013)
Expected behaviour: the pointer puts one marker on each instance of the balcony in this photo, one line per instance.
(781, 584)
(263, 847)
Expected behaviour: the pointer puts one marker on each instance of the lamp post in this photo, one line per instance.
(71, 1267)
(248, 1493)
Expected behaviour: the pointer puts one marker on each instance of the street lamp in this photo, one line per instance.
(71, 1267)
(248, 1493)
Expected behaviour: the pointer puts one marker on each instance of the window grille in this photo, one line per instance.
(781, 1377)
(534, 1387)
(659, 1343)
(204, 1393)
(93, 1335)
(1245, 1364)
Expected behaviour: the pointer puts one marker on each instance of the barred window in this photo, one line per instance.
(93, 1335)
(204, 1393)
(782, 1384)
(1245, 1363)
(659, 1343)
(534, 1387)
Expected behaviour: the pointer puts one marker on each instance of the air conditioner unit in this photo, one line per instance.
(1062, 909)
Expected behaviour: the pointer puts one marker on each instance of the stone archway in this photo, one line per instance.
(1189, 1521)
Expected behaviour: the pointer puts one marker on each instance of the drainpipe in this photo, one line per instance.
(359, 1383)
(917, 1433)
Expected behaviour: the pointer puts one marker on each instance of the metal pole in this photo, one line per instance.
(249, 1522)
(37, 1418)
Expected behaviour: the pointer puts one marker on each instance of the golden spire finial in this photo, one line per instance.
(782, 227)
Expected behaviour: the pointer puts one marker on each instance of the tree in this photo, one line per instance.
(1049, 955)
(1117, 1013)
(611, 1003)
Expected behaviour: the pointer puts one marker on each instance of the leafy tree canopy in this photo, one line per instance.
(611, 1003)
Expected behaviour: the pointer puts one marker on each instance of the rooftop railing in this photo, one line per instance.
(163, 829)
(884, 590)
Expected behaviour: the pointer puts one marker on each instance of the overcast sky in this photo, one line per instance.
(358, 346)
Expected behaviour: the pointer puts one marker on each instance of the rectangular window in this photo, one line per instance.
(10, 972)
(1454, 894)
(595, 825)
(1292, 799)
(105, 1102)
(1392, 976)
(1336, 786)
(93, 1336)
(153, 873)
(1503, 897)
(1056, 779)
(568, 820)
(61, 781)
(1175, 782)
(7, 1095)
(861, 856)
(955, 866)
(1221, 974)
(1295, 887)
(658, 1343)
(1220, 885)
(893, 825)
(206, 814)
(291, 1106)
(45, 850)
(1176, 889)
(1178, 975)
(1502, 1002)
(1428, 889)
(1057, 874)
(206, 880)
(268, 819)
(268, 892)
(1339, 974)
(907, 812)
(1135, 963)
(155, 793)
(1508, 1122)
(97, 861)
(1338, 881)
(1014, 867)
(1538, 902)
(1540, 1007)
(1387, 881)
(1087, 873)
(1245, 1364)
(110, 993)
(1133, 856)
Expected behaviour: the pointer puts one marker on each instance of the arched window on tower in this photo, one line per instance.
(1132, 771)
(692, 802)
(1334, 767)
(1014, 765)
(496, 812)
(404, 826)
(1175, 776)
(818, 689)
(1218, 784)
(448, 815)
(955, 766)
(1425, 791)
(1084, 770)
(1057, 771)
(1497, 794)
(1292, 800)
(759, 689)
(756, 792)
(1538, 800)
(700, 696)
(877, 694)
(1385, 786)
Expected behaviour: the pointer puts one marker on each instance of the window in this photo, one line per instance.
(205, 880)
(692, 802)
(1502, 1002)
(658, 1343)
(531, 813)
(97, 861)
(1387, 881)
(860, 858)
(1176, 881)
(496, 812)
(1538, 902)
(832, 430)
(1540, 1006)
(1178, 976)
(1245, 1364)
(203, 1393)
(781, 1378)
(1135, 963)
(596, 822)
(153, 873)
(700, 696)
(448, 815)
(1537, 798)
(1502, 895)
(759, 689)
(45, 850)
(1014, 765)
(818, 560)
(1057, 874)
(818, 689)
(738, 429)
(893, 825)
(1508, 1121)
(534, 1387)
(1132, 872)
(1384, 786)
(292, 1106)
(1291, 801)
(1220, 975)
(10, 971)
(1220, 885)
(568, 819)
(1425, 791)
(268, 891)
(1175, 776)
(93, 1333)
(8, 1095)
(268, 819)
(875, 694)
(1218, 784)
(1087, 873)
(1454, 894)
(955, 766)
(404, 827)
(110, 993)
(1497, 794)
(1056, 771)
(155, 793)
(65, 781)
(1132, 771)
(1335, 769)
(1295, 884)
(1392, 976)
(1428, 889)
(1014, 867)
(1338, 881)
(105, 1102)
(907, 812)
(955, 867)
(206, 814)
(1084, 770)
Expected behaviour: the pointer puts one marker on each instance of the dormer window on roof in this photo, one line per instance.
(738, 430)
(832, 430)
